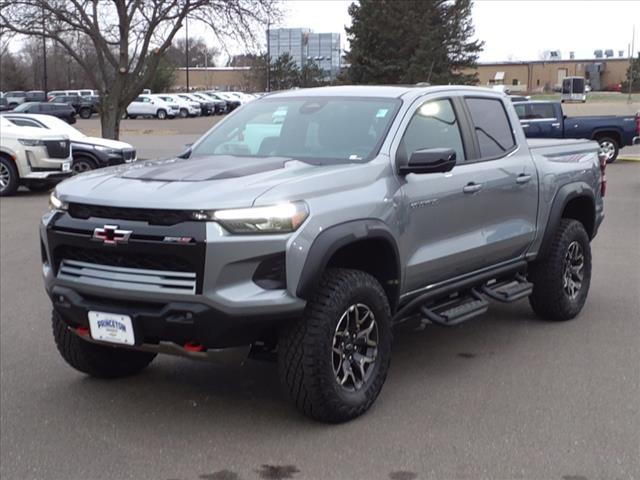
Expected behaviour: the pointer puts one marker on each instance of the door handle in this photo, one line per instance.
(523, 178)
(524, 125)
(472, 187)
(555, 125)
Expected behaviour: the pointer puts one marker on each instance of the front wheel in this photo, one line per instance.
(184, 113)
(9, 178)
(83, 164)
(609, 148)
(93, 359)
(161, 114)
(561, 279)
(85, 113)
(334, 360)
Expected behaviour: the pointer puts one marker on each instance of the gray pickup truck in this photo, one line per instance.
(308, 223)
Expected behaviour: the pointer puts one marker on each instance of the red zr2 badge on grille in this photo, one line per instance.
(111, 235)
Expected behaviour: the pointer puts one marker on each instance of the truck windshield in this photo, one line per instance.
(314, 129)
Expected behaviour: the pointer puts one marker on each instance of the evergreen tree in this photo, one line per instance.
(311, 75)
(411, 41)
(284, 73)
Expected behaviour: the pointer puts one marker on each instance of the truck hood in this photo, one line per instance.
(104, 142)
(194, 183)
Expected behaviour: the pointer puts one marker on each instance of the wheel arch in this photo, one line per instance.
(366, 245)
(613, 133)
(575, 201)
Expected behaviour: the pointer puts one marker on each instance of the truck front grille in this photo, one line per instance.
(128, 278)
(128, 154)
(114, 258)
(151, 216)
(58, 148)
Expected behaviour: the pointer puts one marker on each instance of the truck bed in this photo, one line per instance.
(543, 143)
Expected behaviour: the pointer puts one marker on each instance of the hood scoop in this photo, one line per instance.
(200, 169)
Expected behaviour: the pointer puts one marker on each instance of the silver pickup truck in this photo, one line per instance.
(308, 223)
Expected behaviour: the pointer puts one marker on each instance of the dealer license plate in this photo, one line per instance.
(111, 327)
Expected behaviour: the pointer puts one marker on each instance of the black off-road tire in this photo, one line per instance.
(85, 113)
(10, 177)
(305, 348)
(96, 360)
(39, 187)
(549, 298)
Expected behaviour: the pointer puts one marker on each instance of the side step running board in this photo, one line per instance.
(510, 290)
(456, 311)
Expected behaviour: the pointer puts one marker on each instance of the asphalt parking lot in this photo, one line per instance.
(505, 396)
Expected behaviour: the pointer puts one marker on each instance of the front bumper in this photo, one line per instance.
(225, 307)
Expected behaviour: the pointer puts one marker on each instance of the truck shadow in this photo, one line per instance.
(180, 390)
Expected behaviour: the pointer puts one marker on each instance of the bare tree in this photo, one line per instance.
(128, 37)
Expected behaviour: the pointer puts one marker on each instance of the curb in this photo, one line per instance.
(629, 159)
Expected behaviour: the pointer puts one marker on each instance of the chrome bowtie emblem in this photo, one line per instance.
(111, 235)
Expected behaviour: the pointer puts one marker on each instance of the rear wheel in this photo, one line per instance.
(334, 360)
(561, 280)
(93, 359)
(83, 164)
(85, 113)
(161, 114)
(39, 187)
(9, 178)
(609, 148)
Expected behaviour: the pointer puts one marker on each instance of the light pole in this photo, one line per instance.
(186, 50)
(268, 58)
(44, 56)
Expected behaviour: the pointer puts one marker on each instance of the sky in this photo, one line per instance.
(511, 30)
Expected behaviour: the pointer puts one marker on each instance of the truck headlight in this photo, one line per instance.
(55, 203)
(31, 142)
(281, 218)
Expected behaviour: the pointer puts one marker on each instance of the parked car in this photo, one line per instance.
(82, 105)
(309, 239)
(88, 153)
(31, 157)
(207, 104)
(4, 105)
(188, 108)
(220, 106)
(88, 93)
(36, 96)
(57, 93)
(519, 98)
(151, 106)
(15, 98)
(63, 111)
(542, 119)
(231, 102)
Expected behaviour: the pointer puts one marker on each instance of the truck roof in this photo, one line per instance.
(384, 91)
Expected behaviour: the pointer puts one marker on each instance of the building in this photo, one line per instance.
(545, 75)
(216, 78)
(304, 46)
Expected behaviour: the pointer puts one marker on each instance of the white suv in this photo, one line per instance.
(188, 108)
(152, 106)
(31, 157)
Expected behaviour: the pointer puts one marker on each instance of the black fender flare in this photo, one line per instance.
(330, 240)
(563, 196)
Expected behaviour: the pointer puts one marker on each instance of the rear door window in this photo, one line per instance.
(491, 126)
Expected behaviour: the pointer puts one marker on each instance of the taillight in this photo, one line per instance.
(603, 178)
(638, 124)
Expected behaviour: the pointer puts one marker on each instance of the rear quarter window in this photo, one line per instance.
(491, 125)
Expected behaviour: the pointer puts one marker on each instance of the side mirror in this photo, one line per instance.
(187, 152)
(430, 160)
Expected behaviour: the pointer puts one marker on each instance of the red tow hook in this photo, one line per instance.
(82, 331)
(194, 347)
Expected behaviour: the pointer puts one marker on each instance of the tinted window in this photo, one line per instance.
(22, 122)
(434, 125)
(491, 125)
(541, 110)
(322, 129)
